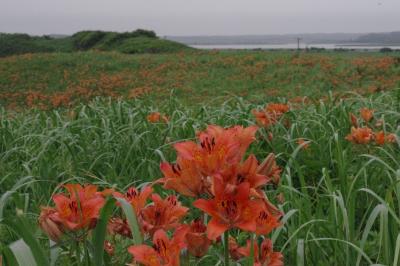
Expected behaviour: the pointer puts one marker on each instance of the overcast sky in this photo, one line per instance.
(200, 17)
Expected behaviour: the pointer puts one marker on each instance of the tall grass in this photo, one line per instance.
(342, 201)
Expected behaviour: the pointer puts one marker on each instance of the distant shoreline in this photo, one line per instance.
(293, 46)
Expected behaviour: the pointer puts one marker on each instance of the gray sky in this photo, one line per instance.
(200, 17)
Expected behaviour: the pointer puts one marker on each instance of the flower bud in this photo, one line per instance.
(49, 225)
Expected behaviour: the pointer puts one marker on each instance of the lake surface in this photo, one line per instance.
(292, 46)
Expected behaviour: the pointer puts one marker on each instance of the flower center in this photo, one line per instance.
(229, 208)
(208, 145)
(161, 248)
(132, 193)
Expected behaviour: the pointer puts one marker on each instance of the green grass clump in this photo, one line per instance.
(341, 200)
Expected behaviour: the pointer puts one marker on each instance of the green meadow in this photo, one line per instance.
(81, 117)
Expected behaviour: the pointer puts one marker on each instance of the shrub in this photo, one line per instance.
(11, 44)
(84, 40)
(386, 50)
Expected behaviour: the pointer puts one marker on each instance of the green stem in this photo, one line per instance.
(251, 259)
(226, 251)
(77, 253)
(87, 256)
(186, 258)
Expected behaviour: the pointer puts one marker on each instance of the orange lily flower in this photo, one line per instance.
(366, 114)
(79, 210)
(380, 138)
(163, 214)
(156, 117)
(218, 148)
(361, 135)
(271, 114)
(184, 178)
(246, 172)
(267, 219)
(277, 108)
(135, 198)
(263, 255)
(213, 153)
(49, 225)
(197, 240)
(165, 252)
(229, 210)
(263, 118)
(245, 136)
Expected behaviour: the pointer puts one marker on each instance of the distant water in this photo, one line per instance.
(293, 46)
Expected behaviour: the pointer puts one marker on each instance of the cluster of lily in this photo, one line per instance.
(364, 134)
(271, 114)
(226, 188)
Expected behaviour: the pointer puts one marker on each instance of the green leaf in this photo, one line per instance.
(55, 251)
(99, 233)
(22, 253)
(132, 221)
(21, 227)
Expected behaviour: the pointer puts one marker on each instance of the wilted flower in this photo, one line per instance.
(379, 123)
(109, 248)
(234, 249)
(118, 226)
(391, 138)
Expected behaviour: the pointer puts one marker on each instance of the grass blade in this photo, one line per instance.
(21, 227)
(22, 253)
(132, 221)
(100, 231)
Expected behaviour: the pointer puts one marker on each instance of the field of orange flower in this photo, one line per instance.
(54, 80)
(271, 183)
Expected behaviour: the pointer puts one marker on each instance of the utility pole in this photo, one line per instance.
(298, 43)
